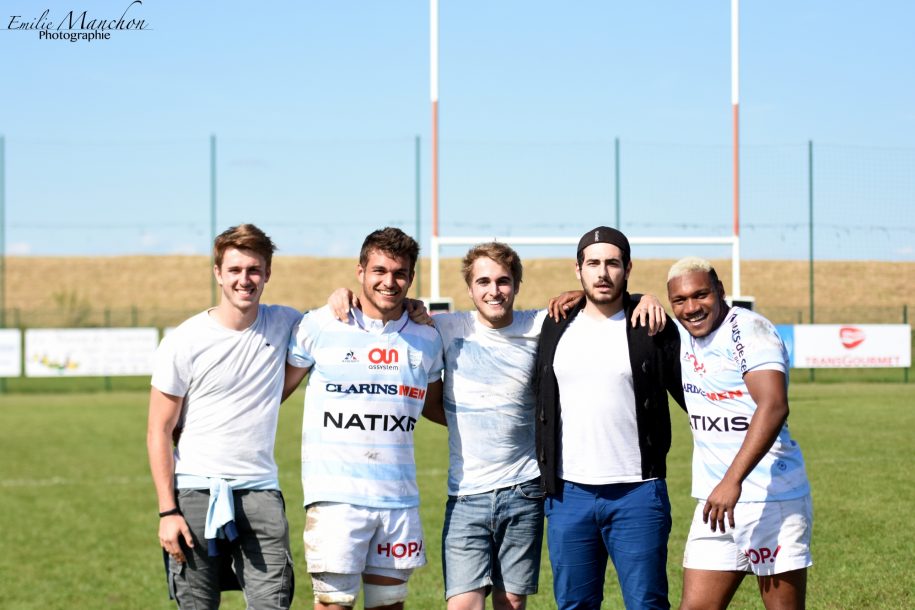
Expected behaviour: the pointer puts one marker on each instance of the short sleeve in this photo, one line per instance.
(171, 369)
(437, 364)
(302, 342)
(757, 345)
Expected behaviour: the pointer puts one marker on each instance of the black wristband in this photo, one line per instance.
(168, 513)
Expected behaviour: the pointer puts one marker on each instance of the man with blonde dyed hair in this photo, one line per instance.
(753, 511)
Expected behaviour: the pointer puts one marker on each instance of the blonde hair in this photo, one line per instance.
(500, 253)
(691, 264)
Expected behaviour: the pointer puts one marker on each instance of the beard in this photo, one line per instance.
(602, 296)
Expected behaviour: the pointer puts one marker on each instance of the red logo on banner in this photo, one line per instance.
(851, 336)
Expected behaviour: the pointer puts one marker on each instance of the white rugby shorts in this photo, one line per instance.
(769, 538)
(347, 539)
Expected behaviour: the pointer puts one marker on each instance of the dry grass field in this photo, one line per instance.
(857, 291)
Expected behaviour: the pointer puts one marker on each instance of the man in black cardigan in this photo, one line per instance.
(603, 433)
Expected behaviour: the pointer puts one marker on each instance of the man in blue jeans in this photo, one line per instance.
(493, 529)
(603, 433)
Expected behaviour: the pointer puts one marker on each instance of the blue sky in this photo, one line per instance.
(316, 106)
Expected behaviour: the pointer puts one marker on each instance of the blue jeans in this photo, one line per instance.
(629, 522)
(493, 539)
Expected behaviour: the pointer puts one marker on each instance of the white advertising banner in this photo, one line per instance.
(852, 345)
(89, 352)
(10, 352)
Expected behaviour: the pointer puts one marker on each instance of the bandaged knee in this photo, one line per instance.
(384, 595)
(331, 588)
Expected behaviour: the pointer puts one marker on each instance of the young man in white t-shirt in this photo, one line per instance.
(216, 388)
(603, 433)
(493, 528)
(370, 378)
(753, 512)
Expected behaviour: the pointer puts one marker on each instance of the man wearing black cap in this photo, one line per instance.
(603, 433)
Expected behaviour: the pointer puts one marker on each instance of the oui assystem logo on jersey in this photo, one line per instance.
(383, 359)
(78, 25)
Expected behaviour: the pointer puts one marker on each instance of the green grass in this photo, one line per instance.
(78, 522)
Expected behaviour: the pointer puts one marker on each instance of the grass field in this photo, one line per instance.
(78, 522)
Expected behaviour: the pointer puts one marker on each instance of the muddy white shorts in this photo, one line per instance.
(346, 539)
(769, 538)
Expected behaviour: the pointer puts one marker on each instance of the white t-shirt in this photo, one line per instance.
(489, 400)
(720, 407)
(364, 396)
(232, 382)
(599, 433)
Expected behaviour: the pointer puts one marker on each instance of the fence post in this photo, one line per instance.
(616, 179)
(107, 325)
(213, 290)
(418, 201)
(810, 212)
(905, 320)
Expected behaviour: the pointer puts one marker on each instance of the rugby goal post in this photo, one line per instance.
(438, 241)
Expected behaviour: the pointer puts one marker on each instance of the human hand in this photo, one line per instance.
(720, 505)
(171, 530)
(340, 301)
(560, 305)
(649, 312)
(417, 311)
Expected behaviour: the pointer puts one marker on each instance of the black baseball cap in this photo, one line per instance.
(605, 235)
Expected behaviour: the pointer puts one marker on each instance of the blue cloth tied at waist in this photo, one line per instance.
(220, 521)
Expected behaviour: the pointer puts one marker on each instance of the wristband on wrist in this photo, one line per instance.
(168, 513)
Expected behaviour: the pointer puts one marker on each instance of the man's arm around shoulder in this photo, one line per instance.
(433, 407)
(293, 376)
(668, 340)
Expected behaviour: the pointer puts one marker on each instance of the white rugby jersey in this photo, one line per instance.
(720, 407)
(489, 400)
(364, 397)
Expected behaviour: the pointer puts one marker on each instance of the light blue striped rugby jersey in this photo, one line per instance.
(364, 397)
(489, 400)
(720, 407)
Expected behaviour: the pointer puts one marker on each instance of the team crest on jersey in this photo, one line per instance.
(416, 358)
